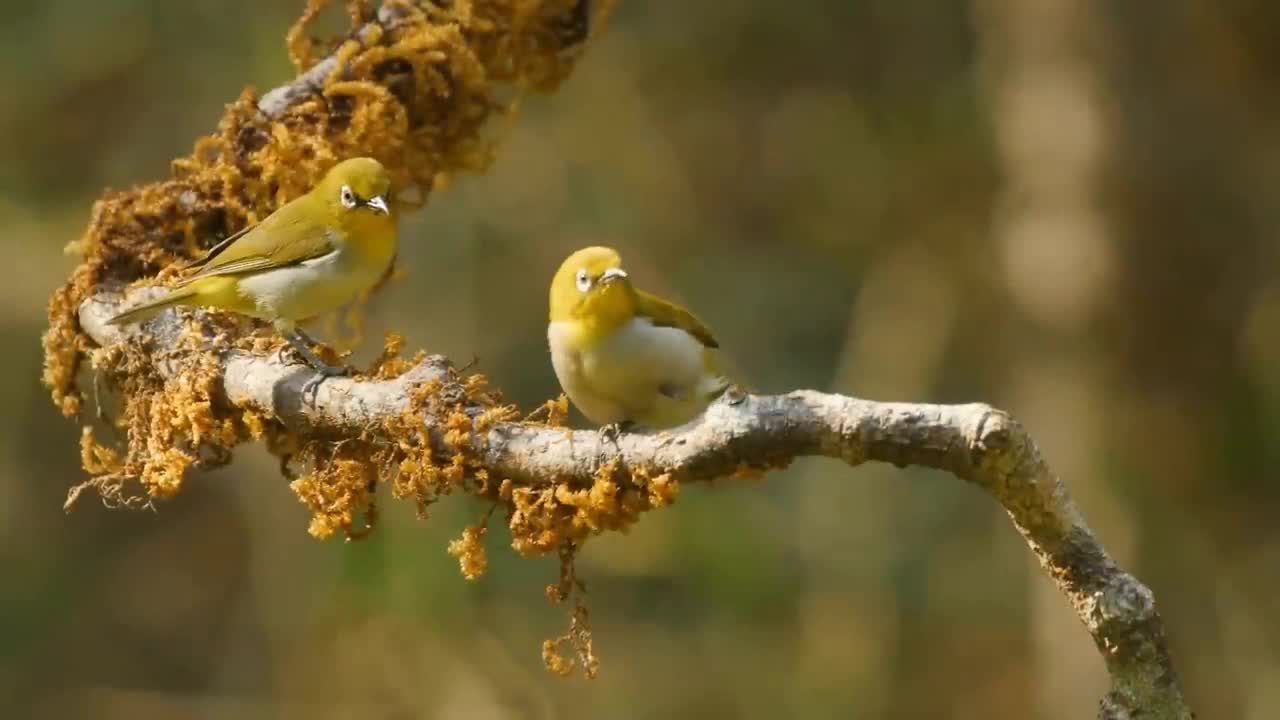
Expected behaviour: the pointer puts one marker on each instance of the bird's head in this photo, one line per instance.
(592, 287)
(358, 190)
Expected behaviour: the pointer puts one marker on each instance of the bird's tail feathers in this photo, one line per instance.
(151, 308)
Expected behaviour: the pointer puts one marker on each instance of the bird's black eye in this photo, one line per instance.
(348, 197)
(584, 281)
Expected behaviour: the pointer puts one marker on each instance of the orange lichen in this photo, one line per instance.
(390, 364)
(170, 425)
(340, 481)
(553, 413)
(578, 637)
(547, 518)
(470, 553)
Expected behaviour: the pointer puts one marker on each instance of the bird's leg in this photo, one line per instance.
(320, 366)
(286, 329)
(736, 394)
(611, 431)
(299, 341)
(302, 334)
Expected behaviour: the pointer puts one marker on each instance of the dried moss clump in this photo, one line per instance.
(169, 420)
(473, 560)
(578, 637)
(545, 519)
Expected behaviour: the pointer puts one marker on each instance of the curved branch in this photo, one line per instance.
(974, 442)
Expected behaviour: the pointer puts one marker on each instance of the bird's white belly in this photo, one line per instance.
(640, 373)
(310, 288)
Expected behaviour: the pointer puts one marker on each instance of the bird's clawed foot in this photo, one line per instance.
(328, 371)
(736, 394)
(324, 371)
(298, 344)
(612, 431)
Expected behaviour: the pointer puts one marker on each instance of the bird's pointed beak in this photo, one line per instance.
(379, 202)
(612, 274)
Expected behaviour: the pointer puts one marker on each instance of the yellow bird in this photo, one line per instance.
(312, 255)
(625, 357)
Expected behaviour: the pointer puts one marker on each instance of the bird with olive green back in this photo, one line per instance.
(623, 356)
(311, 256)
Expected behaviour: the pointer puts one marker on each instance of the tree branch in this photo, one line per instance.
(974, 442)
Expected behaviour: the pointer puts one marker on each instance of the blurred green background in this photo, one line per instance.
(1063, 207)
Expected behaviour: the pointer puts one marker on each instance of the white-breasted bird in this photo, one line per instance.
(623, 356)
(311, 256)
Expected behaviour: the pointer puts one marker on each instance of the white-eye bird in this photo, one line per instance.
(625, 357)
(311, 256)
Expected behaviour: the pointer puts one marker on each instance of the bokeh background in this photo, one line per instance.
(1067, 208)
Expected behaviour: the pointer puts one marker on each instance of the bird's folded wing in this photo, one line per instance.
(283, 239)
(217, 250)
(664, 314)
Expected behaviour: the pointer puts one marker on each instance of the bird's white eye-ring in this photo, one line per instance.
(348, 198)
(584, 281)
